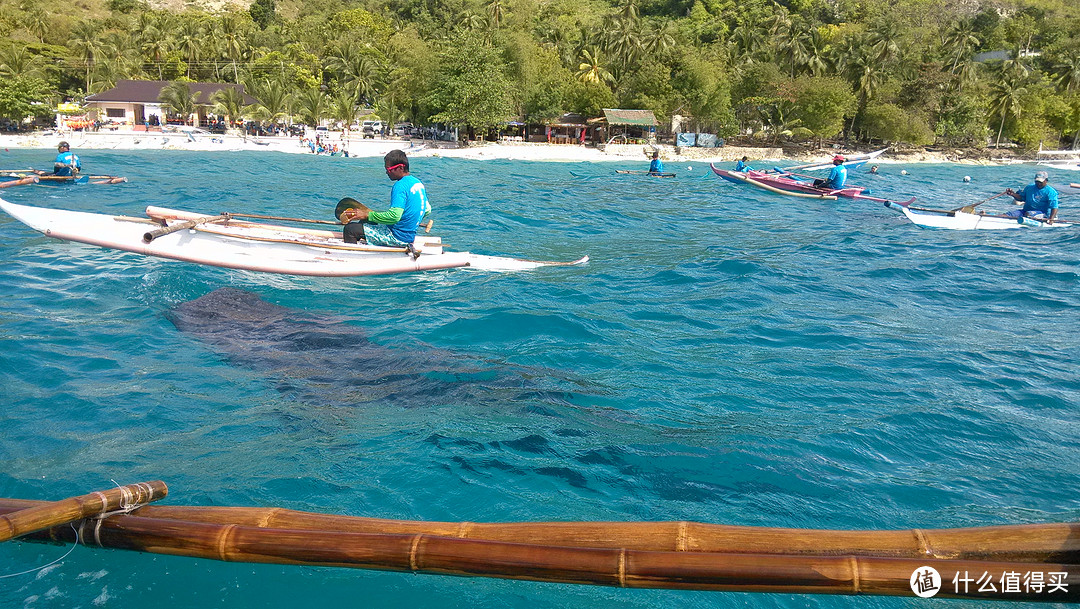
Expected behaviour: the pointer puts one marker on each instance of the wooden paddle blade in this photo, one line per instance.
(347, 204)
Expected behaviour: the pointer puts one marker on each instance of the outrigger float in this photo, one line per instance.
(226, 240)
(1005, 560)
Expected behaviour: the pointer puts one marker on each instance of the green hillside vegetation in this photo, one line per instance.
(900, 71)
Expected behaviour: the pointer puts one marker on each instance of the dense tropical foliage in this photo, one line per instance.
(895, 70)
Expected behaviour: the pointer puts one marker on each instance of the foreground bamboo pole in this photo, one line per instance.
(1015, 543)
(731, 572)
(50, 514)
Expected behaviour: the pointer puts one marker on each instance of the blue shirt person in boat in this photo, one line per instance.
(67, 162)
(1039, 198)
(837, 177)
(395, 227)
(741, 165)
(656, 166)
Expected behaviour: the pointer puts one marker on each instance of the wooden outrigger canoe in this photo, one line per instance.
(652, 174)
(677, 555)
(21, 174)
(789, 186)
(225, 241)
(961, 219)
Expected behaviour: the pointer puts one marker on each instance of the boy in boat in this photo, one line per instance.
(742, 165)
(395, 227)
(1039, 198)
(67, 162)
(837, 177)
(656, 166)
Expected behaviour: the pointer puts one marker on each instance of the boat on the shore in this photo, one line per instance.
(227, 241)
(652, 174)
(1059, 159)
(967, 219)
(660, 555)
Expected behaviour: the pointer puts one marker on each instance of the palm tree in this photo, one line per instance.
(344, 107)
(190, 42)
(359, 72)
(659, 38)
(230, 102)
(37, 22)
(1067, 71)
(497, 12)
(311, 105)
(959, 40)
(1006, 98)
(84, 41)
(178, 97)
(884, 38)
(274, 100)
(233, 39)
(16, 61)
(591, 68)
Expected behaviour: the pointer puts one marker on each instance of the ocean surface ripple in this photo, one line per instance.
(726, 356)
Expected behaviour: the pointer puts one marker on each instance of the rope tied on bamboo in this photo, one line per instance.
(129, 502)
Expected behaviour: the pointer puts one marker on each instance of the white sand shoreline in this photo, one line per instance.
(366, 148)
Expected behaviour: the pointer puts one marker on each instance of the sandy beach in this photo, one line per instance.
(357, 147)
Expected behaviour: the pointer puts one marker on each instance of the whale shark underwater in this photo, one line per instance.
(326, 359)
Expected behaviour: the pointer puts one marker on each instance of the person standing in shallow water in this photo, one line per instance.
(395, 227)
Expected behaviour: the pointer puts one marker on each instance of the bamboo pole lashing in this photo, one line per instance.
(51, 514)
(597, 566)
(1055, 542)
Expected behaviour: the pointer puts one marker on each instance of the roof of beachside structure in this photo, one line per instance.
(641, 118)
(149, 92)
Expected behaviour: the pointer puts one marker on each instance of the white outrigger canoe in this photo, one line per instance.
(957, 219)
(228, 242)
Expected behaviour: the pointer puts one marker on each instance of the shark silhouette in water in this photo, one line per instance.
(324, 359)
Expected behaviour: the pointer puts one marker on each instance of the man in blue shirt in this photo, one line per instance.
(741, 165)
(656, 166)
(1039, 199)
(395, 227)
(837, 177)
(67, 162)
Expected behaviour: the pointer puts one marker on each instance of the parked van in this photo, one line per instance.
(371, 128)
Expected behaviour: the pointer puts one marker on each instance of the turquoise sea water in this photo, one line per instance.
(727, 356)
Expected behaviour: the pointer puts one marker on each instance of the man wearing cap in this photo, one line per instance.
(837, 177)
(67, 162)
(1039, 198)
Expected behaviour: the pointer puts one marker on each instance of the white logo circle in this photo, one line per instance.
(925, 582)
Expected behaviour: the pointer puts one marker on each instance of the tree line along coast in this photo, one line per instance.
(961, 74)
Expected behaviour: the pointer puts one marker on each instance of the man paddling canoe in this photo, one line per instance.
(395, 227)
(1039, 198)
(837, 177)
(66, 164)
(656, 166)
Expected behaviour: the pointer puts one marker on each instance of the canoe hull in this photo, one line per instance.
(250, 246)
(959, 220)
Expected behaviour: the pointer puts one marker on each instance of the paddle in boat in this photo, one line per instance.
(226, 240)
(966, 218)
(653, 174)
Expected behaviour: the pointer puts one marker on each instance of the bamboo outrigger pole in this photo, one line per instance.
(731, 572)
(51, 514)
(1056, 542)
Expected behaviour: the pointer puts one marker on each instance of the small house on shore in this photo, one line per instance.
(136, 103)
(627, 124)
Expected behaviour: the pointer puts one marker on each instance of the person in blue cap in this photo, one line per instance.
(67, 162)
(1039, 198)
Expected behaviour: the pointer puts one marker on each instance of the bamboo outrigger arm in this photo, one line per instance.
(677, 555)
(50, 514)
